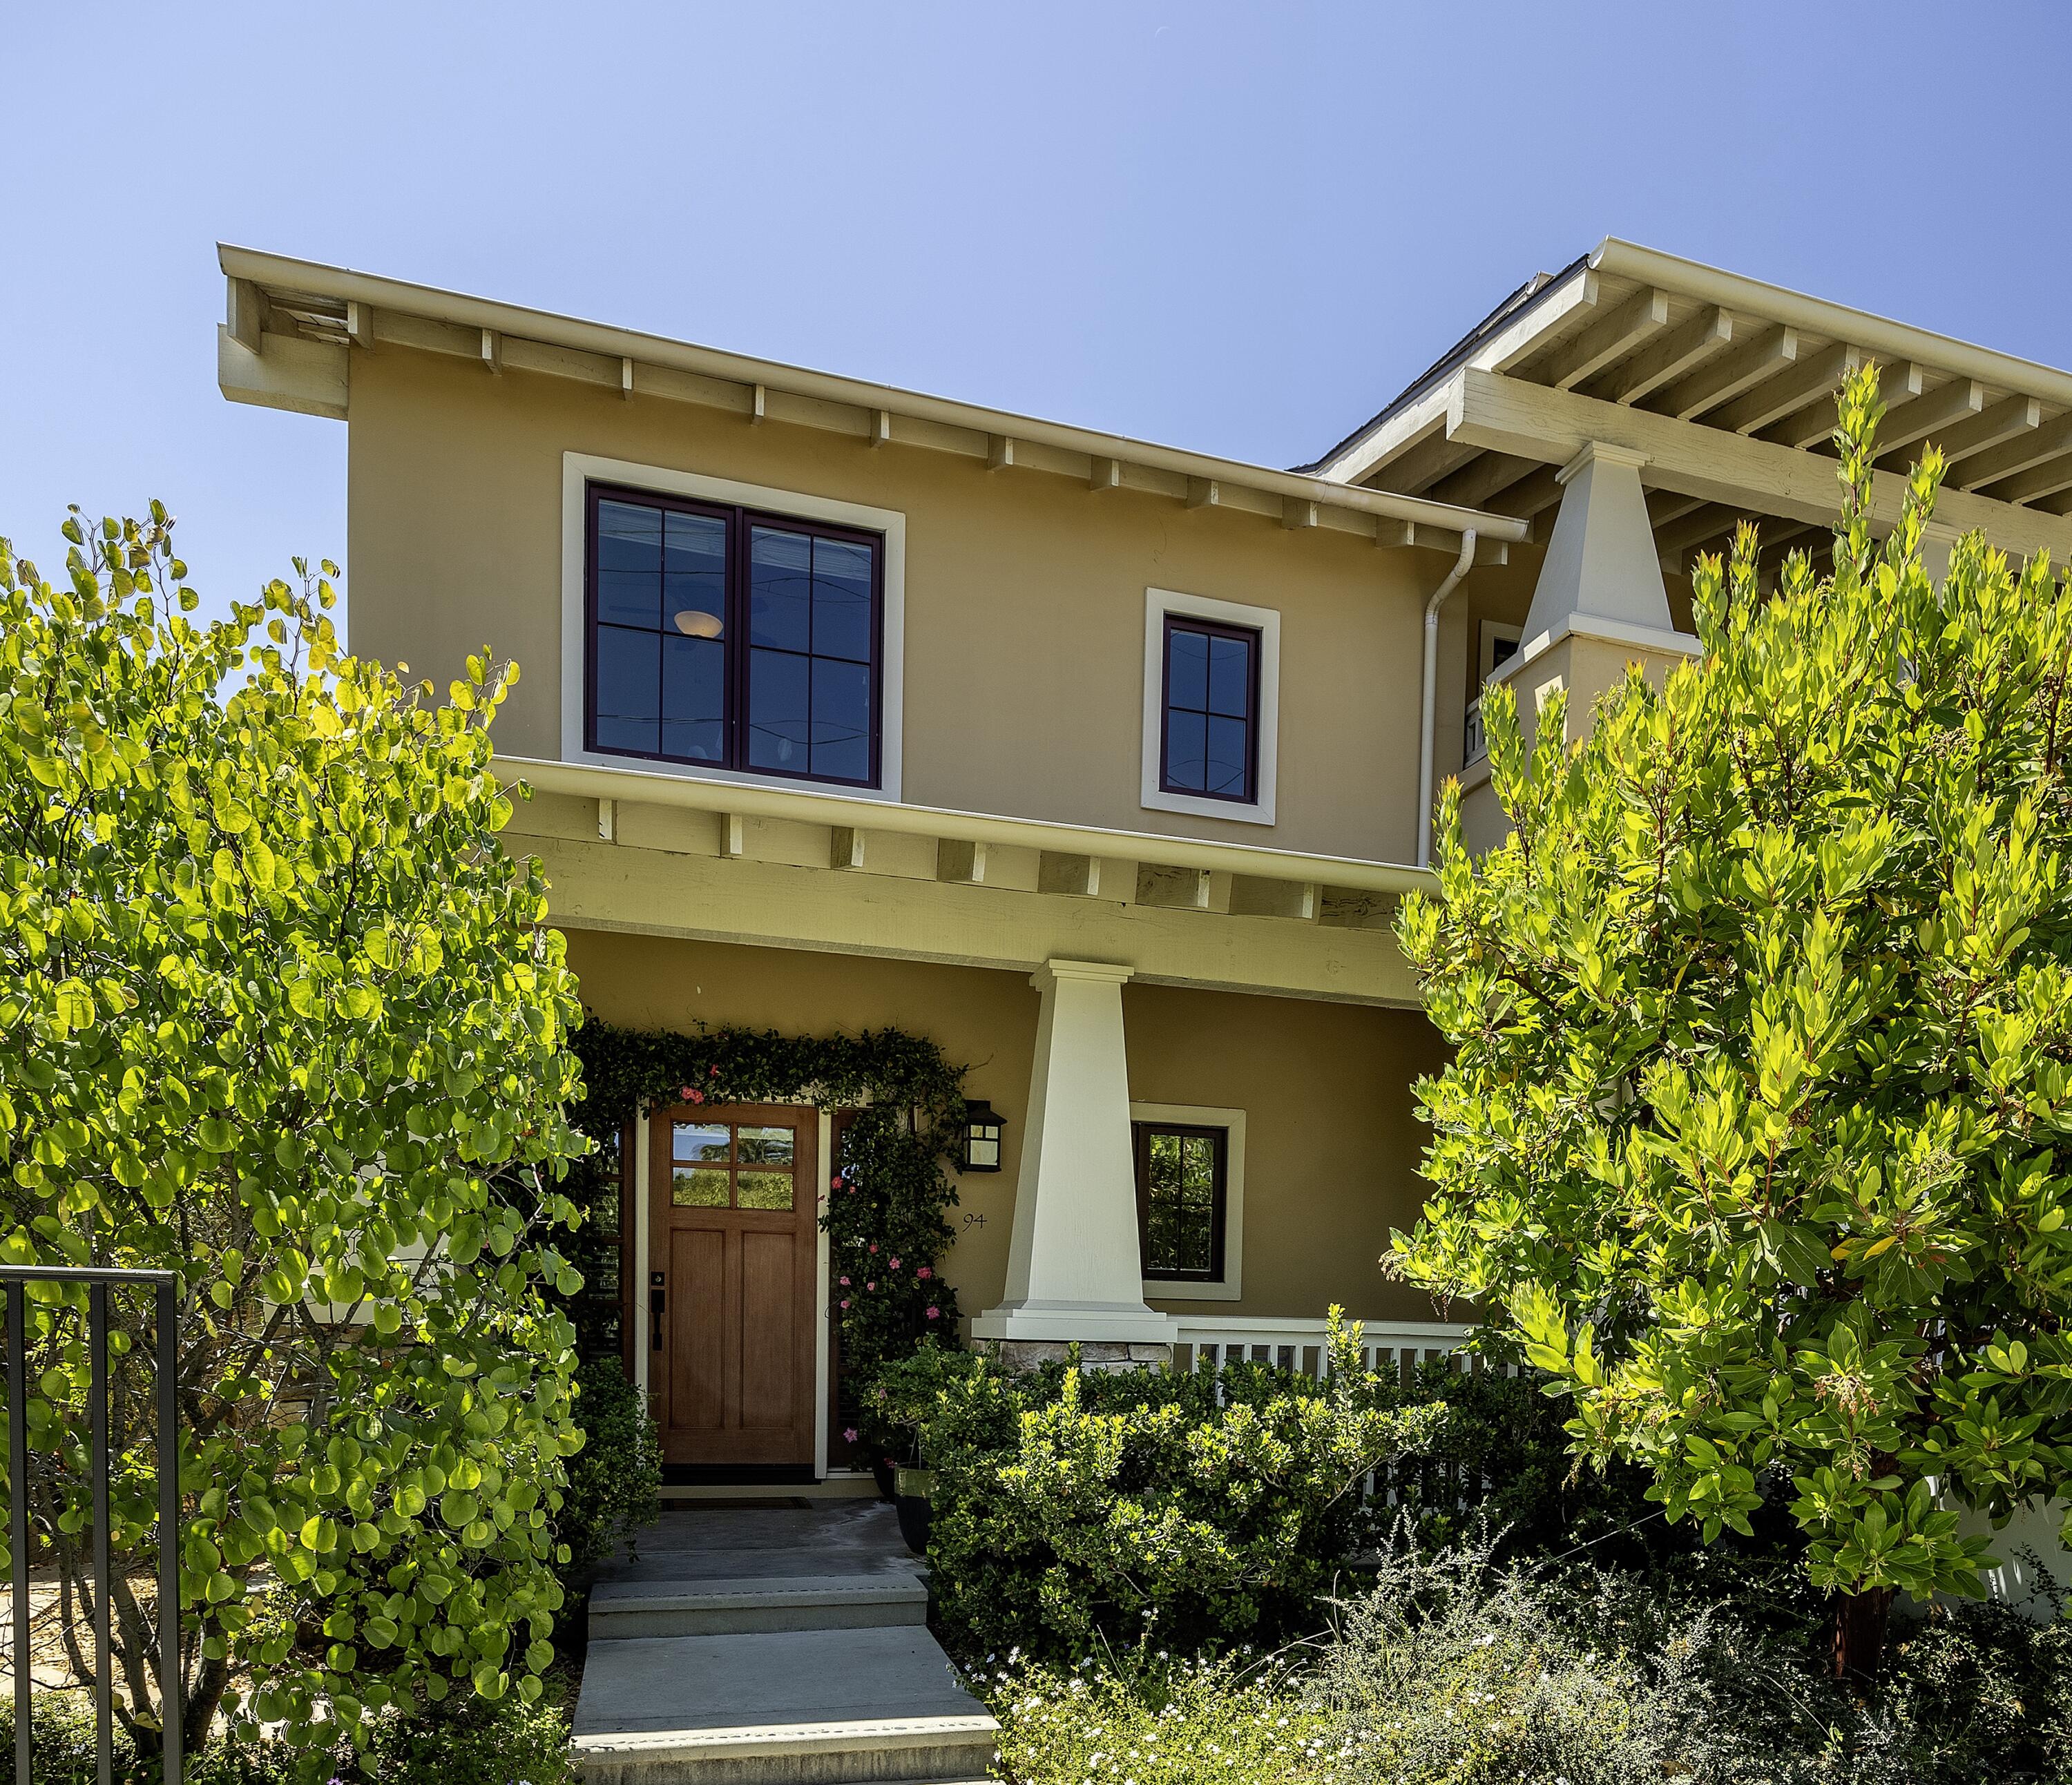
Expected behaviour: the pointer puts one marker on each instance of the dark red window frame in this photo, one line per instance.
(1210, 629)
(740, 520)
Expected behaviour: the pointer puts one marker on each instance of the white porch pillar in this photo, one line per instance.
(1074, 1270)
(1600, 563)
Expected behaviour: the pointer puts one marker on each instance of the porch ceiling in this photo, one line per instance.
(1728, 385)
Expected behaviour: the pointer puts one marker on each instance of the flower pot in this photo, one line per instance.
(911, 1496)
(882, 1472)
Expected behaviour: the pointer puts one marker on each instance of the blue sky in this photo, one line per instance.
(1235, 227)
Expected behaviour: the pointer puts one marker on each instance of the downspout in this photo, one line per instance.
(1431, 719)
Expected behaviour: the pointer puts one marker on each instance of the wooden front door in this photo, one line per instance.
(733, 1247)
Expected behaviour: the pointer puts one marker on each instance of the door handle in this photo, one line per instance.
(657, 1305)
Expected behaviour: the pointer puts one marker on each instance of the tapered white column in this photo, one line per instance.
(1074, 1270)
(1601, 565)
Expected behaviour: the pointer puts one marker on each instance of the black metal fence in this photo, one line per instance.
(17, 1279)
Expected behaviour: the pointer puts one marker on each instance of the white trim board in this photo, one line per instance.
(1231, 1288)
(578, 469)
(1266, 621)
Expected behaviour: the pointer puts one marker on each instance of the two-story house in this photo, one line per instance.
(1101, 763)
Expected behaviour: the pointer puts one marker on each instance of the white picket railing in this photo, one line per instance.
(1387, 1347)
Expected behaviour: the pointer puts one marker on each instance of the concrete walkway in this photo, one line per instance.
(772, 1645)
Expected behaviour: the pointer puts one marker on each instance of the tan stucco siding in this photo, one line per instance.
(1332, 1144)
(1024, 596)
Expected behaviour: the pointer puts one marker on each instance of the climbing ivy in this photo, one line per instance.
(888, 1193)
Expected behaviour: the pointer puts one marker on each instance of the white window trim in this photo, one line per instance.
(1266, 621)
(579, 468)
(1231, 1288)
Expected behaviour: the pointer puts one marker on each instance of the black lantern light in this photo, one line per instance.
(982, 1130)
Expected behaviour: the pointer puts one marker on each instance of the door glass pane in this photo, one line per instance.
(778, 732)
(702, 1140)
(764, 1190)
(779, 588)
(629, 564)
(1230, 676)
(629, 689)
(841, 600)
(1186, 750)
(702, 1189)
(1228, 752)
(694, 576)
(693, 706)
(842, 720)
(766, 1146)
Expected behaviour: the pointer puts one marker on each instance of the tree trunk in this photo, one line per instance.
(1860, 1620)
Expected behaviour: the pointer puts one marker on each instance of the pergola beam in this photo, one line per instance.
(1958, 401)
(1644, 314)
(1689, 344)
(1507, 414)
(2001, 421)
(1725, 376)
(1475, 485)
(2032, 448)
(1804, 381)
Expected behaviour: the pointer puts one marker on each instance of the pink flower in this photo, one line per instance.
(686, 1093)
(849, 1434)
(924, 1273)
(697, 1096)
(835, 1183)
(844, 1282)
(870, 1285)
(713, 1073)
(845, 1301)
(934, 1314)
(895, 1264)
(873, 1245)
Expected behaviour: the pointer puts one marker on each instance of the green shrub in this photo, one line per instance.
(1204, 1509)
(615, 1480)
(1145, 1718)
(478, 1744)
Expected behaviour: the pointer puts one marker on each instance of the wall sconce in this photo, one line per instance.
(982, 1130)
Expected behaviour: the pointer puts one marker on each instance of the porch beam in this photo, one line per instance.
(1507, 414)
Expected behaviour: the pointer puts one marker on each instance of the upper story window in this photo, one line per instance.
(1211, 707)
(1211, 698)
(724, 636)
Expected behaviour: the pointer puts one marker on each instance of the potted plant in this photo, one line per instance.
(913, 1491)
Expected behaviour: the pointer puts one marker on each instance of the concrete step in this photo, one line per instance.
(622, 1609)
(801, 1707)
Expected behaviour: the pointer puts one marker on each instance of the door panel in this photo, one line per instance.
(734, 1231)
(698, 1361)
(770, 1316)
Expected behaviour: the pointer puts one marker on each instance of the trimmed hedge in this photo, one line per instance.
(1214, 1508)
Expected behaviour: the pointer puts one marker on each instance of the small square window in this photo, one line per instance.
(1182, 1178)
(1209, 747)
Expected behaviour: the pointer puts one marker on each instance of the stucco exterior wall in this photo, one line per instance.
(1332, 1143)
(1025, 597)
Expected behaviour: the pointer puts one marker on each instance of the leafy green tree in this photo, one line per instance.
(1758, 1132)
(277, 1014)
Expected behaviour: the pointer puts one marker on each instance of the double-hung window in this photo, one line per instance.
(730, 637)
